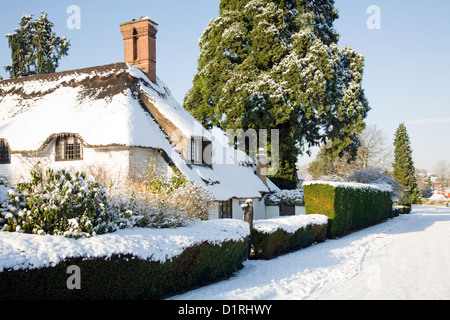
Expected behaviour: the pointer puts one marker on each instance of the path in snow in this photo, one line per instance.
(403, 258)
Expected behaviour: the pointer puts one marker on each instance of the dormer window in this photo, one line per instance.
(68, 148)
(196, 151)
(200, 151)
(5, 157)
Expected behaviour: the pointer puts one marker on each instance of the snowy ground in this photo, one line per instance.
(407, 257)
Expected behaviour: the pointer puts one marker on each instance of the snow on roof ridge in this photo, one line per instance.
(55, 75)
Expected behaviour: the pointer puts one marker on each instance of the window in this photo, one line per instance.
(68, 148)
(200, 151)
(225, 210)
(196, 151)
(5, 157)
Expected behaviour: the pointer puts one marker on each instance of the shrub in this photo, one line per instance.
(163, 202)
(349, 206)
(285, 197)
(59, 203)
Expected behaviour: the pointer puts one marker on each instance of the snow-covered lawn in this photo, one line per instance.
(407, 257)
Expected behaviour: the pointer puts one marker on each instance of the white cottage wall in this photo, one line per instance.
(147, 161)
(115, 164)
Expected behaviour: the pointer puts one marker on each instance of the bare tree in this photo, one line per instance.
(442, 172)
(374, 152)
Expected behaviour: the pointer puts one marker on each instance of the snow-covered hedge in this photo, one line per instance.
(285, 197)
(127, 264)
(349, 206)
(289, 224)
(273, 237)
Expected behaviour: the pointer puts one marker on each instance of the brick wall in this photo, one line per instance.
(139, 38)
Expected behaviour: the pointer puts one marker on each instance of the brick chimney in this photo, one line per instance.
(139, 38)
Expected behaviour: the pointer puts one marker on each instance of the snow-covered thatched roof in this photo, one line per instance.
(100, 104)
(103, 106)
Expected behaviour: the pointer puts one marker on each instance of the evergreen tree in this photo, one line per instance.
(35, 48)
(275, 64)
(404, 170)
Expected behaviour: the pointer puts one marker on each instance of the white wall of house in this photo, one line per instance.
(214, 215)
(142, 159)
(272, 212)
(258, 209)
(238, 213)
(113, 163)
(299, 210)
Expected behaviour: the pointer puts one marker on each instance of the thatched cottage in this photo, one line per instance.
(119, 118)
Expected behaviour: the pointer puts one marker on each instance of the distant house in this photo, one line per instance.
(445, 193)
(440, 190)
(119, 118)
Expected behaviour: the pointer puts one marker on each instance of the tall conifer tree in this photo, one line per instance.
(275, 64)
(404, 170)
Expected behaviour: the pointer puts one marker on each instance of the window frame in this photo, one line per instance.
(197, 149)
(226, 209)
(66, 150)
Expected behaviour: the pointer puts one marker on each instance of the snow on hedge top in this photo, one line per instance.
(289, 224)
(25, 251)
(353, 185)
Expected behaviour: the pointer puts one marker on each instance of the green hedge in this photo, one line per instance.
(127, 277)
(349, 206)
(269, 245)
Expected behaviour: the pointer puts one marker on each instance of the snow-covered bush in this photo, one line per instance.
(61, 203)
(163, 202)
(285, 197)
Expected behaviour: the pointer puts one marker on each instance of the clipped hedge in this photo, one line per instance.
(126, 277)
(349, 206)
(274, 237)
(139, 263)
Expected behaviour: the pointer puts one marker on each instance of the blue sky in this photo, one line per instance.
(406, 74)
